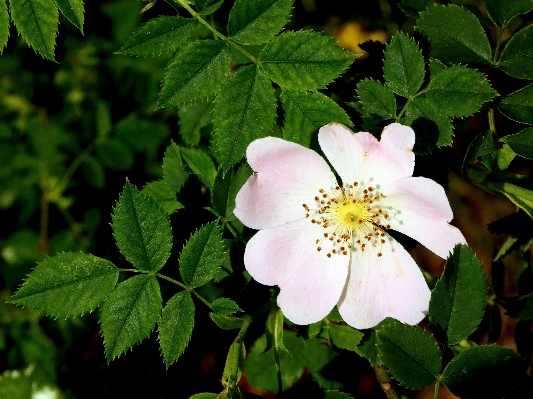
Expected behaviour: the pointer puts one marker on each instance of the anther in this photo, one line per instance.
(379, 254)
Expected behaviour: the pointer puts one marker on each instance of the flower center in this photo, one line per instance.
(351, 218)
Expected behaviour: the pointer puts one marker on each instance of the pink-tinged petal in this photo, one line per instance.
(418, 207)
(286, 176)
(391, 285)
(310, 282)
(361, 158)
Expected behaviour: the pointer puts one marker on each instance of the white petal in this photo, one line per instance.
(287, 256)
(379, 287)
(418, 207)
(361, 158)
(287, 176)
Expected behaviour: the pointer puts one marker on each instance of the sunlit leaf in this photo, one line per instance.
(68, 285)
(226, 322)
(175, 326)
(345, 337)
(201, 164)
(174, 172)
(161, 193)
(377, 99)
(225, 306)
(141, 229)
(256, 22)
(458, 301)
(4, 25)
(234, 363)
(73, 10)
(520, 196)
(130, 314)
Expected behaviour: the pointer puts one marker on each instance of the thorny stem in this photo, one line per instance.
(196, 15)
(385, 382)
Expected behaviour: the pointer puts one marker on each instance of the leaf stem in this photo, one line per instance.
(74, 166)
(497, 48)
(386, 382)
(492, 124)
(196, 15)
(437, 386)
(408, 101)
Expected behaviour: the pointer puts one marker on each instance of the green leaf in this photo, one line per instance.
(411, 355)
(518, 106)
(234, 363)
(521, 143)
(458, 301)
(4, 25)
(73, 10)
(411, 8)
(261, 365)
(345, 337)
(161, 193)
(256, 22)
(175, 326)
(504, 157)
(404, 68)
(142, 135)
(225, 306)
(455, 34)
(305, 113)
(502, 11)
(206, 7)
(67, 285)
(115, 155)
(245, 110)
(225, 190)
(162, 35)
(336, 395)
(226, 322)
(519, 196)
(274, 330)
(486, 371)
(130, 314)
(377, 99)
(201, 164)
(304, 60)
(517, 57)
(192, 119)
(201, 255)
(459, 91)
(205, 395)
(174, 172)
(318, 355)
(520, 308)
(432, 127)
(196, 73)
(36, 21)
(141, 229)
(93, 172)
(102, 118)
(367, 349)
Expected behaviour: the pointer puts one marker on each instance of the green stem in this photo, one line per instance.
(74, 166)
(196, 15)
(386, 382)
(263, 308)
(278, 370)
(400, 115)
(492, 124)
(497, 48)
(437, 386)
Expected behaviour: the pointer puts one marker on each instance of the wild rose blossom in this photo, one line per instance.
(326, 244)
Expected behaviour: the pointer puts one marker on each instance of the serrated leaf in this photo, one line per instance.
(130, 314)
(174, 172)
(521, 143)
(455, 34)
(234, 363)
(226, 322)
(502, 11)
(318, 355)
(256, 22)
(411, 8)
(305, 113)
(196, 73)
(93, 172)
(245, 110)
(192, 119)
(175, 326)
(517, 57)
(73, 10)
(459, 91)
(519, 196)
(115, 155)
(489, 372)
(205, 395)
(162, 194)
(261, 366)
(411, 355)
(201, 164)
(162, 35)
(274, 330)
(225, 190)
(458, 301)
(518, 106)
(432, 128)
(200, 257)
(304, 60)
(377, 99)
(4, 25)
(504, 157)
(225, 306)
(141, 229)
(345, 337)
(36, 21)
(206, 7)
(367, 349)
(67, 285)
(404, 68)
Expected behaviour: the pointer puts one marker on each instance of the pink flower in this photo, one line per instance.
(326, 244)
